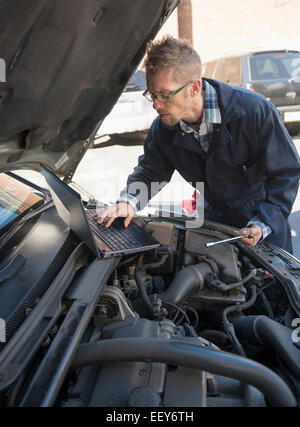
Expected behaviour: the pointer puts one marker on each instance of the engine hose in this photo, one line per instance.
(138, 275)
(139, 281)
(229, 327)
(186, 282)
(240, 307)
(156, 264)
(178, 353)
(260, 330)
(228, 287)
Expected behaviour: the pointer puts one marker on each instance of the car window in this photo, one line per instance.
(292, 65)
(137, 82)
(275, 66)
(16, 198)
(231, 71)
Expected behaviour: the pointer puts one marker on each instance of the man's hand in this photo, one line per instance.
(110, 213)
(255, 231)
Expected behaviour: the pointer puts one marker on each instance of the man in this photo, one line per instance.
(231, 139)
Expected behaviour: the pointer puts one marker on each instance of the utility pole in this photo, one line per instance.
(185, 20)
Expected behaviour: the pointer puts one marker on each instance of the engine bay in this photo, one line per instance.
(213, 301)
(134, 330)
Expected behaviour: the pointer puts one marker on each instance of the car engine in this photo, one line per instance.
(183, 325)
(149, 330)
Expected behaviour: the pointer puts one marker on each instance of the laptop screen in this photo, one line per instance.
(70, 208)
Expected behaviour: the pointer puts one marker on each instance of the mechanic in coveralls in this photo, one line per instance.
(230, 138)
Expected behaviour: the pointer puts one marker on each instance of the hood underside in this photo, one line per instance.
(66, 64)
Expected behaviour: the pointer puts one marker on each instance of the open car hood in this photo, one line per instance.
(66, 64)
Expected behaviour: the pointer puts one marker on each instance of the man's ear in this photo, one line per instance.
(196, 87)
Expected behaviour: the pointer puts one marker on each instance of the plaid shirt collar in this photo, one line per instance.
(211, 110)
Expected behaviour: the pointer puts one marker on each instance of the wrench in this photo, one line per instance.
(248, 236)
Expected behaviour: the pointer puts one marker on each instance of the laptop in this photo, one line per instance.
(103, 242)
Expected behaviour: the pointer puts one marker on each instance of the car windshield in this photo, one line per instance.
(16, 199)
(275, 66)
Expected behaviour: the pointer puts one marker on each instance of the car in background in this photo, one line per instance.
(130, 118)
(273, 73)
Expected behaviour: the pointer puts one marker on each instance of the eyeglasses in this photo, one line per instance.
(161, 97)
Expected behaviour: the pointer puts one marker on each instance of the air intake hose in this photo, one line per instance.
(188, 281)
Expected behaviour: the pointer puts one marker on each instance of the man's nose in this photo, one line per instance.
(156, 104)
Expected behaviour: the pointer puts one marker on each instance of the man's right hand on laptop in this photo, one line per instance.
(109, 214)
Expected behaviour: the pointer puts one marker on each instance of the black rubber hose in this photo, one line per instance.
(140, 283)
(186, 282)
(138, 275)
(244, 306)
(260, 330)
(229, 327)
(157, 263)
(174, 352)
(224, 287)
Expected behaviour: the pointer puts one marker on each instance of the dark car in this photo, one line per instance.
(93, 317)
(275, 74)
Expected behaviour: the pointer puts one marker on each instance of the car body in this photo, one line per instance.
(130, 118)
(179, 325)
(273, 73)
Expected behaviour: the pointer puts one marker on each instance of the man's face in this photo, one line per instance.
(178, 106)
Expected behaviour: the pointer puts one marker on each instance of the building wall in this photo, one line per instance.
(221, 27)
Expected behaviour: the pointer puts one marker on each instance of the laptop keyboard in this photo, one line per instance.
(115, 237)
